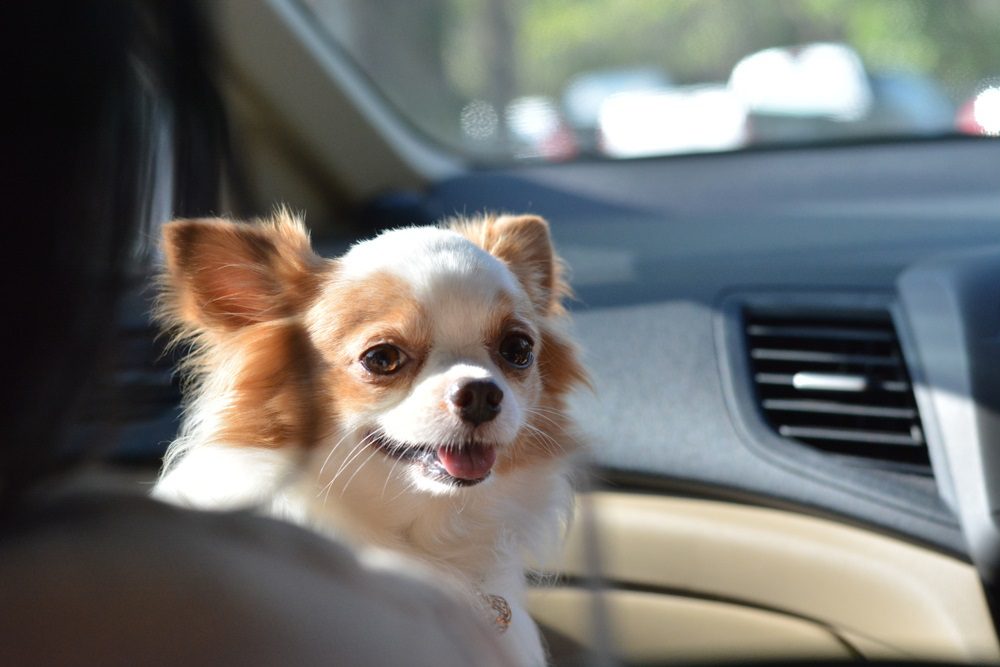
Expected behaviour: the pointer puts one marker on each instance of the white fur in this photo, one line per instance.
(423, 256)
(475, 537)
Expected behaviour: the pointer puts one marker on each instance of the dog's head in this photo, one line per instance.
(434, 352)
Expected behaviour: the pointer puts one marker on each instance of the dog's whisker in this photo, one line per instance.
(351, 456)
(557, 421)
(538, 431)
(355, 453)
(547, 409)
(552, 445)
(466, 499)
(392, 471)
(409, 487)
(333, 449)
(545, 415)
(350, 479)
(550, 430)
(547, 442)
(556, 427)
(343, 464)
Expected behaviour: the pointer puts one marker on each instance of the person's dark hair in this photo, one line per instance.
(93, 90)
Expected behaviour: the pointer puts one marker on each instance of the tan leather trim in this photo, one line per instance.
(647, 627)
(886, 597)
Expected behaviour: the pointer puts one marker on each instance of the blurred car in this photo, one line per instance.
(820, 80)
(536, 124)
(908, 103)
(820, 91)
(586, 94)
(794, 350)
(684, 119)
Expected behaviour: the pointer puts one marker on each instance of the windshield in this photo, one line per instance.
(561, 79)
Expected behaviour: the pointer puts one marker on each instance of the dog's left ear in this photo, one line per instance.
(524, 244)
(222, 275)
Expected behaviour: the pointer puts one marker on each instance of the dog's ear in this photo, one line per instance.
(523, 243)
(224, 275)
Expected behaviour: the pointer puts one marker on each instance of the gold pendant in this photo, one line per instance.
(501, 608)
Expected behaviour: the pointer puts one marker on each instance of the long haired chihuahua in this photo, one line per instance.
(409, 395)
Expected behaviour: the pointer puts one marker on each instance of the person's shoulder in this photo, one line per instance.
(97, 575)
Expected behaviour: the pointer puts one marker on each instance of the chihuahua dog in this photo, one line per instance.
(408, 396)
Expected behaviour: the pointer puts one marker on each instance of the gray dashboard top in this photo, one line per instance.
(656, 247)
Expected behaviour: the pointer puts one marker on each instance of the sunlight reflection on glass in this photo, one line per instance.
(986, 111)
(479, 120)
(678, 120)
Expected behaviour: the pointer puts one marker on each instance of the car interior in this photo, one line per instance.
(794, 427)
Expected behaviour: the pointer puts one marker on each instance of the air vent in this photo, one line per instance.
(837, 384)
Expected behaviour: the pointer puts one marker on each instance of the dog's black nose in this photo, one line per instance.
(477, 401)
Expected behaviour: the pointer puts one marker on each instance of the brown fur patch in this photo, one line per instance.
(524, 244)
(276, 398)
(351, 317)
(505, 317)
(501, 317)
(559, 365)
(550, 434)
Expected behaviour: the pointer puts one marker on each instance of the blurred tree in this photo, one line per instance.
(432, 57)
(700, 40)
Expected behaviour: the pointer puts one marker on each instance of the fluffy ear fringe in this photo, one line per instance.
(221, 275)
(523, 243)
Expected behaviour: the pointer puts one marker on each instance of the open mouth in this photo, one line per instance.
(460, 465)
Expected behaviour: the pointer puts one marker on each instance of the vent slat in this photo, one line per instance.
(830, 407)
(784, 379)
(827, 333)
(876, 437)
(774, 378)
(836, 383)
(804, 381)
(823, 357)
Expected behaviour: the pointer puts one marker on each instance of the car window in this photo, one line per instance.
(560, 79)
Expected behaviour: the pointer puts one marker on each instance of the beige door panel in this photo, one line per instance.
(649, 627)
(805, 585)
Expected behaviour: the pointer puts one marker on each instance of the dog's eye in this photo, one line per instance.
(383, 359)
(516, 350)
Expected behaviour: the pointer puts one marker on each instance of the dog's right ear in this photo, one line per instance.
(223, 275)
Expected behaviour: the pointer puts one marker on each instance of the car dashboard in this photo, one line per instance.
(811, 332)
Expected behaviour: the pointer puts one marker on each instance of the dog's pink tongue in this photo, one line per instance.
(468, 462)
